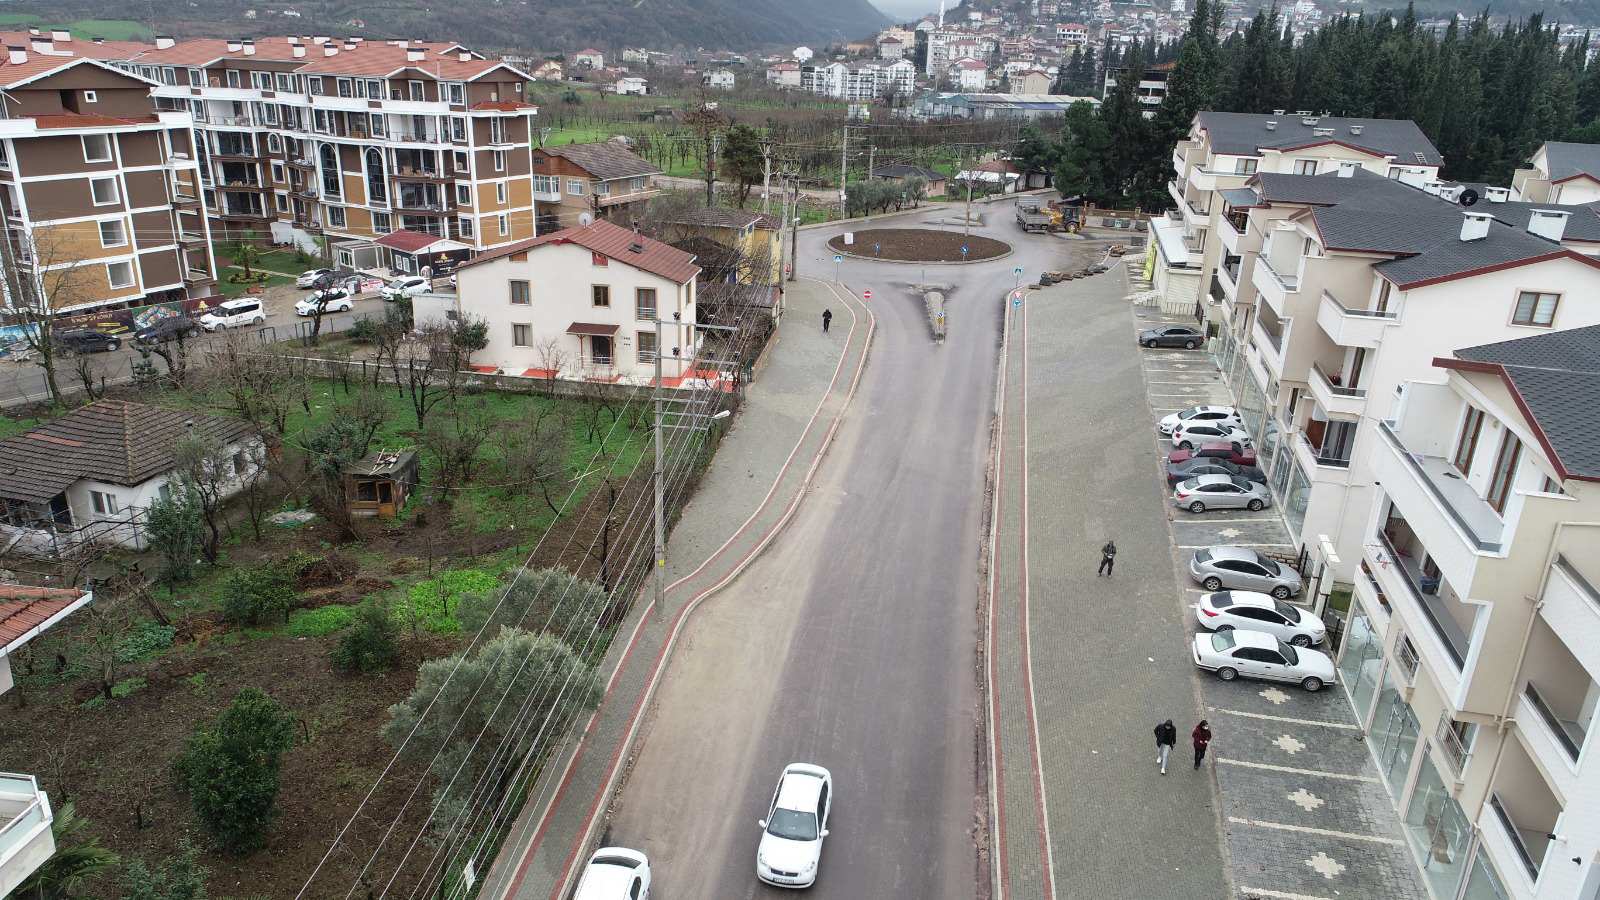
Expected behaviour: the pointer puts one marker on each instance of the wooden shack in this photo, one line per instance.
(379, 483)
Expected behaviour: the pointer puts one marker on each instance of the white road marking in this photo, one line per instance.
(1252, 715)
(1291, 770)
(1325, 832)
(1306, 800)
(1289, 744)
(1325, 865)
(1279, 895)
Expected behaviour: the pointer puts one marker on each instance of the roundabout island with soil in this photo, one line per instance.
(919, 245)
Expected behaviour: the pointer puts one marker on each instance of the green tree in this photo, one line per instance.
(78, 859)
(254, 594)
(372, 643)
(553, 601)
(232, 771)
(1085, 145)
(1126, 128)
(175, 527)
(742, 162)
(181, 877)
(245, 253)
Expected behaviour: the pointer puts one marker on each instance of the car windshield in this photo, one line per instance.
(1240, 483)
(1289, 653)
(1287, 611)
(1269, 565)
(793, 825)
(1189, 413)
(1202, 556)
(1222, 640)
(1222, 599)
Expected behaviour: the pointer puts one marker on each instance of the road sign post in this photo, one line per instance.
(866, 295)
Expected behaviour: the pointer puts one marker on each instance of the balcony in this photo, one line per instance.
(1353, 327)
(1521, 814)
(1336, 399)
(25, 838)
(235, 151)
(1270, 343)
(197, 276)
(1451, 748)
(1273, 287)
(1175, 189)
(1228, 277)
(616, 198)
(1456, 522)
(191, 237)
(414, 173)
(1552, 711)
(1572, 611)
(1324, 456)
(1448, 619)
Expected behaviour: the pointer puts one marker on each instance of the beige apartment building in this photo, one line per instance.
(1559, 172)
(1473, 649)
(313, 137)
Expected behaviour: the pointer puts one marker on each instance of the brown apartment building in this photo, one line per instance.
(578, 183)
(312, 137)
(101, 195)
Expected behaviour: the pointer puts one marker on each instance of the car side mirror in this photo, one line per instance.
(824, 832)
(762, 823)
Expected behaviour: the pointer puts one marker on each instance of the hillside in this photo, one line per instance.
(543, 25)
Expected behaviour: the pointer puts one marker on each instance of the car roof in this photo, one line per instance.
(1250, 598)
(800, 788)
(1232, 552)
(604, 881)
(1254, 639)
(1214, 478)
(242, 301)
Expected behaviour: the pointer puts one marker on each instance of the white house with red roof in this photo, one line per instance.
(784, 75)
(589, 59)
(969, 74)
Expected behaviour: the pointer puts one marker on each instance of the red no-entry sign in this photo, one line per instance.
(866, 295)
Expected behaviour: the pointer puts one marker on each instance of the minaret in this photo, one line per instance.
(941, 14)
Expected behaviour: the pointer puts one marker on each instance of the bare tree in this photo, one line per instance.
(456, 444)
(44, 272)
(533, 453)
(94, 384)
(707, 122)
(215, 471)
(553, 360)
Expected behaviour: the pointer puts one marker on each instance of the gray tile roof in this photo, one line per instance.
(901, 171)
(1566, 160)
(1557, 376)
(1582, 225)
(1321, 190)
(1246, 134)
(110, 441)
(1240, 198)
(605, 160)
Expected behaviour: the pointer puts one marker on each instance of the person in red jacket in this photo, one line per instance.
(1202, 740)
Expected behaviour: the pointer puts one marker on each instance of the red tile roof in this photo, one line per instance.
(75, 120)
(26, 610)
(408, 241)
(612, 241)
(367, 57)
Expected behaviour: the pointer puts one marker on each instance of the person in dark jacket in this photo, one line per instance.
(827, 319)
(1108, 558)
(1166, 738)
(1202, 740)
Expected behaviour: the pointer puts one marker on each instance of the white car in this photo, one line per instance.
(1255, 654)
(796, 823)
(615, 873)
(1204, 492)
(309, 277)
(1214, 415)
(407, 286)
(234, 314)
(1253, 611)
(331, 300)
(1190, 435)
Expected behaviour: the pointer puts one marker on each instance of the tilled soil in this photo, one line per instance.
(920, 245)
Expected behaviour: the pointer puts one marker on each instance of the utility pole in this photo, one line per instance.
(660, 489)
(766, 174)
(966, 219)
(794, 226)
(872, 154)
(844, 154)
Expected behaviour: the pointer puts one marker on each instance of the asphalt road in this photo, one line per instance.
(852, 642)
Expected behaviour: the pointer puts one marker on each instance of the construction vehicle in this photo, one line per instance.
(1036, 215)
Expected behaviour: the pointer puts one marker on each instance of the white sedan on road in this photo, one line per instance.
(1253, 611)
(615, 873)
(1213, 415)
(1193, 434)
(1204, 492)
(331, 300)
(796, 823)
(1255, 654)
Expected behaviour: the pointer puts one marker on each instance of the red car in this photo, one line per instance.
(1232, 452)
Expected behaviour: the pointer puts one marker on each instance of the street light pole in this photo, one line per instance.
(661, 512)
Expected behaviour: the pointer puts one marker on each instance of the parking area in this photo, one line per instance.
(1305, 812)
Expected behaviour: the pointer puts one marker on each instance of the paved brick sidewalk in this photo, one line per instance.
(760, 473)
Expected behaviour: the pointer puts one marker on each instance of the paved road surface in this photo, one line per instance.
(852, 642)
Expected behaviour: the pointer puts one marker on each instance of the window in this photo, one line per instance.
(233, 78)
(336, 216)
(1245, 166)
(521, 335)
(645, 303)
(197, 78)
(285, 82)
(314, 85)
(104, 504)
(464, 226)
(648, 352)
(416, 90)
(1550, 486)
(1385, 289)
(1305, 167)
(520, 293)
(575, 187)
(458, 94)
(497, 131)
(601, 294)
(499, 160)
(375, 90)
(546, 184)
(112, 234)
(277, 172)
(602, 188)
(458, 128)
(283, 203)
(1467, 441)
(1505, 466)
(380, 223)
(463, 195)
(500, 193)
(505, 225)
(96, 148)
(461, 161)
(1535, 309)
(377, 179)
(103, 190)
(332, 184)
(90, 97)
(119, 274)
(346, 87)
(274, 143)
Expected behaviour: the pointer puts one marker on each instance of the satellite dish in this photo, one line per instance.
(585, 219)
(1468, 197)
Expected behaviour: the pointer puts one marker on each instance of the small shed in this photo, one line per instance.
(379, 483)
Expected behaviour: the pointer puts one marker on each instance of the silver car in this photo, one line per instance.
(1204, 492)
(1242, 569)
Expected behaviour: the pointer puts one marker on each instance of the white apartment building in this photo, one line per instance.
(969, 74)
(862, 83)
(1559, 172)
(1472, 654)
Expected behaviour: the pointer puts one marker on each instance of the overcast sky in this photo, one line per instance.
(905, 10)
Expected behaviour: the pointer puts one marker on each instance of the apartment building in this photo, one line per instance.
(1559, 172)
(101, 196)
(302, 138)
(1151, 88)
(860, 83)
(1223, 150)
(578, 183)
(1472, 654)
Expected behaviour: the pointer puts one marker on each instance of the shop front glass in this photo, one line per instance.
(1298, 498)
(1251, 403)
(1438, 831)
(1393, 736)
(1360, 661)
(1484, 882)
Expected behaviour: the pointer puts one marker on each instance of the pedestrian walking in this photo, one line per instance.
(1202, 740)
(1108, 558)
(827, 319)
(1166, 738)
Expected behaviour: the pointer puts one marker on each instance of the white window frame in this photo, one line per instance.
(103, 503)
(456, 91)
(197, 77)
(132, 276)
(314, 85)
(575, 187)
(499, 160)
(505, 225)
(388, 224)
(464, 226)
(274, 143)
(278, 173)
(111, 152)
(336, 217)
(91, 97)
(458, 128)
(500, 192)
(116, 192)
(461, 160)
(282, 202)
(122, 233)
(463, 194)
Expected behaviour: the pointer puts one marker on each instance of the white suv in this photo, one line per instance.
(233, 314)
(407, 286)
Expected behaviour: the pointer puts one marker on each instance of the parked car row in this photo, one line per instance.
(1247, 627)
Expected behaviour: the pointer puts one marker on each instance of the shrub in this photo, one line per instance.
(550, 600)
(320, 621)
(252, 278)
(362, 331)
(181, 877)
(148, 638)
(254, 594)
(373, 644)
(175, 526)
(231, 770)
(433, 604)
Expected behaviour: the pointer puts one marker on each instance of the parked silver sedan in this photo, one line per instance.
(1205, 492)
(1241, 568)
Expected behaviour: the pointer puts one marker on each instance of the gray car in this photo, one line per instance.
(1205, 492)
(1242, 569)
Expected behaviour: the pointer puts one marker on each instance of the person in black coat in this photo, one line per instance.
(1108, 558)
(1166, 738)
(827, 319)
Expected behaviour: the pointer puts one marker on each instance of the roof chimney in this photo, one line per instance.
(43, 45)
(1272, 124)
(19, 55)
(415, 54)
(1433, 186)
(1356, 129)
(330, 49)
(235, 45)
(466, 56)
(319, 39)
(1475, 225)
(299, 50)
(249, 48)
(163, 41)
(1549, 224)
(1497, 194)
(61, 36)
(1347, 168)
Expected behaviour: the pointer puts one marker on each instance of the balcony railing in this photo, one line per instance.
(1274, 339)
(1448, 635)
(1444, 502)
(1337, 462)
(1450, 746)
(1561, 728)
(1515, 834)
(1289, 283)
(1335, 387)
(1377, 588)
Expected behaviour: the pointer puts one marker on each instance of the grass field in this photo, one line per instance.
(110, 29)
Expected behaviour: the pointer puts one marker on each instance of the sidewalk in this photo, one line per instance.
(760, 473)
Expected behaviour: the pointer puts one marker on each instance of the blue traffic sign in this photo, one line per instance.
(1017, 302)
(963, 249)
(838, 258)
(1017, 271)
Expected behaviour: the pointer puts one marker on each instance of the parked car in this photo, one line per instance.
(1205, 492)
(305, 280)
(1187, 435)
(1172, 336)
(615, 873)
(1239, 454)
(1255, 654)
(796, 823)
(406, 286)
(1255, 611)
(1241, 568)
(1196, 466)
(331, 300)
(234, 314)
(1213, 415)
(70, 341)
(166, 329)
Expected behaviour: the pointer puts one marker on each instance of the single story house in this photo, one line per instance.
(935, 180)
(411, 251)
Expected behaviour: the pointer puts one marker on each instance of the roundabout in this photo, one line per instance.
(919, 245)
